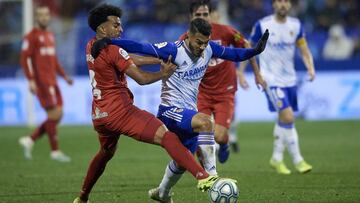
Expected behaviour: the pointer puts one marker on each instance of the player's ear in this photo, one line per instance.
(101, 30)
(188, 33)
(190, 17)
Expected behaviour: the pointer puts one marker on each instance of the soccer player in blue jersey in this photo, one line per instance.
(277, 68)
(178, 110)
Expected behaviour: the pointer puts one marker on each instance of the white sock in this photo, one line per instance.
(172, 175)
(279, 143)
(232, 133)
(292, 143)
(206, 145)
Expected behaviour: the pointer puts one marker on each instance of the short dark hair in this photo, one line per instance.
(197, 3)
(199, 25)
(100, 14)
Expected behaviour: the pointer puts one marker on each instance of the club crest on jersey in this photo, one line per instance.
(279, 104)
(124, 54)
(160, 45)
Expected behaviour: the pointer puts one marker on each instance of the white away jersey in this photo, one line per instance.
(277, 61)
(182, 87)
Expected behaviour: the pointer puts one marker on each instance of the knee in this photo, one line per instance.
(221, 134)
(206, 124)
(288, 118)
(159, 135)
(55, 113)
(223, 139)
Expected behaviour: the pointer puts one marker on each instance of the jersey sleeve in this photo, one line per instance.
(301, 33)
(160, 50)
(120, 58)
(255, 33)
(26, 56)
(237, 39)
(231, 54)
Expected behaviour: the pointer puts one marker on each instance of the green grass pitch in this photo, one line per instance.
(332, 147)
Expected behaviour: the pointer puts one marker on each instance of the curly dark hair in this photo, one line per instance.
(100, 14)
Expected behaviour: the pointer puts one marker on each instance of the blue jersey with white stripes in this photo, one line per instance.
(277, 61)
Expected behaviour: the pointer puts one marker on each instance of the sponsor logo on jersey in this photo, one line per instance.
(161, 45)
(281, 45)
(195, 73)
(47, 51)
(184, 63)
(98, 114)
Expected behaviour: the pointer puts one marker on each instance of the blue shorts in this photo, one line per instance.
(178, 121)
(279, 98)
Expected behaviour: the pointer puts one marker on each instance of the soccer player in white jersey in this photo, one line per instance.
(277, 68)
(178, 109)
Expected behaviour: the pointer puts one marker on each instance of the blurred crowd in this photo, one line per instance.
(318, 15)
(328, 23)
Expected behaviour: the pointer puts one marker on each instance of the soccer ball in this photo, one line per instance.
(224, 191)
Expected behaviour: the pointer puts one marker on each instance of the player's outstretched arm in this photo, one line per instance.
(161, 50)
(238, 54)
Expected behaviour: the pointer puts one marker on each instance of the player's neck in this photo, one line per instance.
(280, 19)
(43, 28)
(99, 36)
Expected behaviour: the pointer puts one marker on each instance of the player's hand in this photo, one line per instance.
(261, 44)
(32, 86)
(260, 82)
(98, 46)
(242, 80)
(69, 81)
(167, 68)
(311, 73)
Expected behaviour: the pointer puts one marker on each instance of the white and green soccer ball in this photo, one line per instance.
(224, 191)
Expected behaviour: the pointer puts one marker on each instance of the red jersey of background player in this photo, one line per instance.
(38, 57)
(111, 94)
(220, 76)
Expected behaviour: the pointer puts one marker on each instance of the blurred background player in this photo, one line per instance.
(277, 68)
(40, 64)
(113, 111)
(218, 87)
